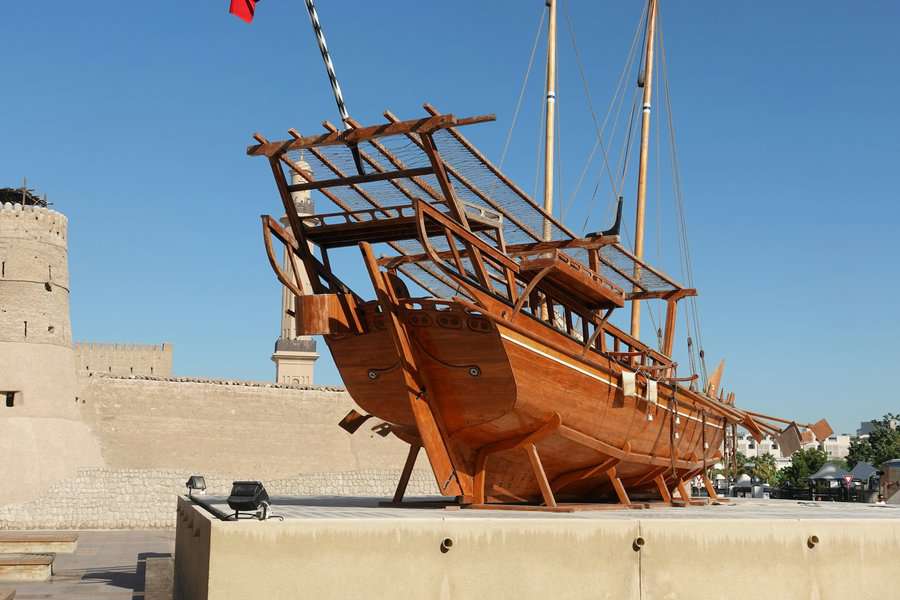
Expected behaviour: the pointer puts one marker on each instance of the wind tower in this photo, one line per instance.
(295, 355)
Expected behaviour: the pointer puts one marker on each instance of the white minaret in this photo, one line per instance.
(295, 355)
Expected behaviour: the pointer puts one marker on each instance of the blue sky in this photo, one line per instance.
(133, 118)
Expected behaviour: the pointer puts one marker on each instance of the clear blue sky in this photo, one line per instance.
(134, 117)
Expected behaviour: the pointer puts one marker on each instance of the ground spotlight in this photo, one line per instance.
(195, 483)
(249, 497)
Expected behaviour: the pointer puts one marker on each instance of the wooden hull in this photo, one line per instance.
(488, 383)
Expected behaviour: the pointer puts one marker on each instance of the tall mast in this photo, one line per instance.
(642, 167)
(551, 117)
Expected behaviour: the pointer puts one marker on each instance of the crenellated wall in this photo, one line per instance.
(42, 438)
(34, 276)
(96, 417)
(154, 360)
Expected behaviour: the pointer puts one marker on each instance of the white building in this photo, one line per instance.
(835, 446)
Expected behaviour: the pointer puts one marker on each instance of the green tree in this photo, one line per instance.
(881, 445)
(803, 464)
(764, 468)
(728, 471)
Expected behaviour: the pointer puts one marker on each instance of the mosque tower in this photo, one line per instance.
(42, 438)
(295, 355)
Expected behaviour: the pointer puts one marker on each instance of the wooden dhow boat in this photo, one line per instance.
(506, 368)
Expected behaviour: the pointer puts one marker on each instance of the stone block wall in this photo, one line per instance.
(34, 276)
(250, 430)
(92, 358)
(142, 498)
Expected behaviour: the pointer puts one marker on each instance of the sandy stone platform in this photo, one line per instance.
(349, 547)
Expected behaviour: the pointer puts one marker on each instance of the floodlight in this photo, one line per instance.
(195, 483)
(248, 496)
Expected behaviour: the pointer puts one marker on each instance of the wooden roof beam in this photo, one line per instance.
(360, 134)
(473, 188)
(357, 179)
(500, 175)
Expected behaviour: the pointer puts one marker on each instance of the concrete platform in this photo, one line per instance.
(38, 542)
(349, 547)
(25, 567)
(108, 565)
(7, 594)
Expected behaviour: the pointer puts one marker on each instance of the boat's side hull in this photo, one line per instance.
(490, 383)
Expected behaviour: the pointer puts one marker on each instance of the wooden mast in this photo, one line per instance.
(551, 118)
(642, 167)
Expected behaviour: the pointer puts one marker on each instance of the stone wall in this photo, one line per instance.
(92, 358)
(143, 498)
(250, 430)
(42, 439)
(34, 276)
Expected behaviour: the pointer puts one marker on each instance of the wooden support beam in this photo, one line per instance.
(571, 477)
(621, 494)
(456, 208)
(508, 444)
(540, 475)
(710, 488)
(682, 491)
(407, 472)
(345, 207)
(663, 489)
(356, 179)
(474, 189)
(357, 135)
(427, 421)
(499, 175)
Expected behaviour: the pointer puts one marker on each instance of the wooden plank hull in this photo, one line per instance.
(489, 383)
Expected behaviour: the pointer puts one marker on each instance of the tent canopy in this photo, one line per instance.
(829, 472)
(863, 471)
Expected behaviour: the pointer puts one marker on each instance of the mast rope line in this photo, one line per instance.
(512, 125)
(617, 103)
(617, 99)
(678, 191)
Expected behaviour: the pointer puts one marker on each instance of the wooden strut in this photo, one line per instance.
(508, 444)
(407, 472)
(337, 201)
(427, 421)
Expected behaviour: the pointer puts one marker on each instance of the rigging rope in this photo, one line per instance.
(512, 125)
(615, 106)
(587, 93)
(687, 264)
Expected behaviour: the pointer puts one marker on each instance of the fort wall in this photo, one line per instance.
(242, 429)
(101, 435)
(42, 439)
(154, 360)
(154, 433)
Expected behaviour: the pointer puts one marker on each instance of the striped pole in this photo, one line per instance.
(335, 86)
(329, 66)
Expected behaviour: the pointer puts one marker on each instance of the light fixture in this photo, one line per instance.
(249, 497)
(195, 483)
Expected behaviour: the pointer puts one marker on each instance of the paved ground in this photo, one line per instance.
(108, 565)
(736, 508)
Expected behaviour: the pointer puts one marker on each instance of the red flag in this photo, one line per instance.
(243, 9)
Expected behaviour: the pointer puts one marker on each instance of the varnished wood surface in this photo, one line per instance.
(491, 384)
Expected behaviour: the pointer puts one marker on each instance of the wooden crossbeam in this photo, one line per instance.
(360, 134)
(355, 179)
